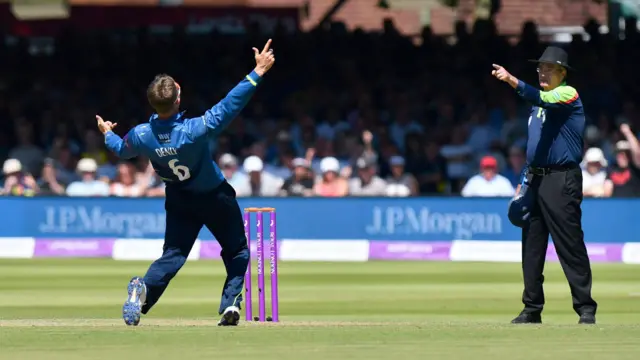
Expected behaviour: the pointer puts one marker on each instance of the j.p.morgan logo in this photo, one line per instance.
(93, 220)
(397, 220)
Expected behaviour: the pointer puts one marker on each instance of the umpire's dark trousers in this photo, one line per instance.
(187, 212)
(558, 197)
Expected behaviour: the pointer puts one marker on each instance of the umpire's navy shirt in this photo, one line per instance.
(556, 125)
(178, 147)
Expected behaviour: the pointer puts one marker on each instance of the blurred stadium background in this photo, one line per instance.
(364, 137)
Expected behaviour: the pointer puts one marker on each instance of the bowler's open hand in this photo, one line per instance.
(264, 59)
(105, 126)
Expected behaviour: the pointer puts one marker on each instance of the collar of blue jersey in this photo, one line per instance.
(177, 117)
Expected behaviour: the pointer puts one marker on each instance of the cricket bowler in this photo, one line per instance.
(197, 193)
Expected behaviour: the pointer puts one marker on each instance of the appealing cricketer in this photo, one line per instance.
(197, 193)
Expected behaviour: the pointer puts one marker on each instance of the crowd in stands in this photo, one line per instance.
(341, 114)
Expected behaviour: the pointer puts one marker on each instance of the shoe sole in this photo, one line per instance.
(132, 307)
(231, 318)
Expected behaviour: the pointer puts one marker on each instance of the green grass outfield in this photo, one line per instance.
(70, 309)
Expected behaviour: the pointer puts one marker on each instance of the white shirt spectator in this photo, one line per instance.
(268, 185)
(88, 188)
(121, 190)
(397, 190)
(498, 186)
(375, 187)
(594, 172)
(237, 180)
(367, 183)
(229, 166)
(89, 185)
(594, 183)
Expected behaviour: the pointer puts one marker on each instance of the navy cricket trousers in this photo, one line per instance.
(187, 212)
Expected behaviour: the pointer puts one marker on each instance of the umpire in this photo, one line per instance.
(554, 180)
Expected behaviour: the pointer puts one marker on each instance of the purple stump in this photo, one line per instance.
(260, 248)
(273, 243)
(248, 303)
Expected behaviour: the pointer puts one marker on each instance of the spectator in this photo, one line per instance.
(125, 184)
(332, 125)
(16, 181)
(301, 182)
(108, 171)
(89, 185)
(623, 179)
(229, 166)
(283, 165)
(399, 178)
(49, 183)
(393, 102)
(258, 183)
(368, 151)
(155, 187)
(397, 190)
(481, 135)
(63, 162)
(402, 126)
(514, 129)
(516, 163)
(331, 183)
(94, 147)
(594, 173)
(27, 153)
(458, 155)
(488, 183)
(367, 183)
(427, 165)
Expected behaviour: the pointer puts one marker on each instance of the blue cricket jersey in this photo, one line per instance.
(178, 147)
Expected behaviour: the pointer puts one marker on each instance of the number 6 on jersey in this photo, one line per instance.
(181, 171)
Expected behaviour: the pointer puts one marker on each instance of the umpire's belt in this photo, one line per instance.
(550, 169)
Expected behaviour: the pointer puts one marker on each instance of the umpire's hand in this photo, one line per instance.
(502, 74)
(264, 59)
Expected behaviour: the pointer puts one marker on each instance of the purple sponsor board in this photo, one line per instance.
(210, 249)
(409, 250)
(73, 247)
(597, 252)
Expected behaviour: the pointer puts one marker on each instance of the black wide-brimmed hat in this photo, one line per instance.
(554, 55)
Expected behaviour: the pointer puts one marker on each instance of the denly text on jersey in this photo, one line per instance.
(166, 151)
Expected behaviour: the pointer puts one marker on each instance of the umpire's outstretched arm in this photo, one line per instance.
(562, 97)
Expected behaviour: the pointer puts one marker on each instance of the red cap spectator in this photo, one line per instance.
(488, 162)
